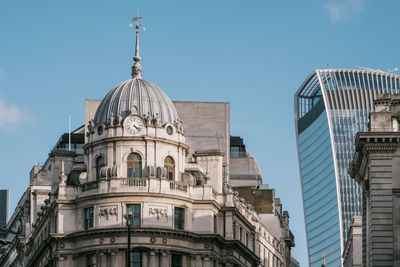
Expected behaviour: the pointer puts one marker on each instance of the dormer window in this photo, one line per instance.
(169, 164)
(134, 165)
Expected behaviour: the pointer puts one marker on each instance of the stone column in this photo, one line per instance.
(191, 260)
(164, 258)
(184, 261)
(145, 259)
(152, 262)
(208, 261)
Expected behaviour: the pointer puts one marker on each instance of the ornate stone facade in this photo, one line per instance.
(184, 210)
(375, 167)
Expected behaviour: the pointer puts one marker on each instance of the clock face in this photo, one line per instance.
(134, 125)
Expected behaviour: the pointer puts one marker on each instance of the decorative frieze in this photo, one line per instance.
(157, 215)
(108, 211)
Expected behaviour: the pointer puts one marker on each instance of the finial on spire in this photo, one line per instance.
(137, 68)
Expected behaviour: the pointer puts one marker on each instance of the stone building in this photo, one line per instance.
(376, 167)
(135, 162)
(352, 255)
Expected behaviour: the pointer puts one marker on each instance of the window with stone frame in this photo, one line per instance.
(89, 218)
(134, 166)
(169, 164)
(100, 163)
(135, 210)
(135, 259)
(176, 260)
(91, 260)
(179, 218)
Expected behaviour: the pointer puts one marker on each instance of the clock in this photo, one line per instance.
(133, 125)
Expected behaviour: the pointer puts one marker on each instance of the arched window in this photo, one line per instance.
(134, 164)
(100, 163)
(169, 163)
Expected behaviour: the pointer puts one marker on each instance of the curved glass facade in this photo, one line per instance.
(331, 106)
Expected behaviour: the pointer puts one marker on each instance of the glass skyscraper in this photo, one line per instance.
(331, 106)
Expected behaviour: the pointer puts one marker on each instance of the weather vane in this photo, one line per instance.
(137, 68)
(137, 20)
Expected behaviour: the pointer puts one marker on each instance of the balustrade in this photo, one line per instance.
(134, 182)
(150, 185)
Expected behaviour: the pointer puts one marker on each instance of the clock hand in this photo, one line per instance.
(136, 127)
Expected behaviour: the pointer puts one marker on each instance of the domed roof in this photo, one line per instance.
(147, 97)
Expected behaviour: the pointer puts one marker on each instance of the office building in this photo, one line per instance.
(331, 106)
(158, 170)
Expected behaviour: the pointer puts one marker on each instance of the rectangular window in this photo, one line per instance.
(176, 260)
(91, 260)
(89, 218)
(135, 259)
(135, 210)
(179, 218)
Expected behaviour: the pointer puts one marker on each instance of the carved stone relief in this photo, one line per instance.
(157, 215)
(108, 214)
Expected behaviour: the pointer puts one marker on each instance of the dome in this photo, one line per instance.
(147, 97)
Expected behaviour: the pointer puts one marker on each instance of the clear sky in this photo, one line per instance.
(254, 54)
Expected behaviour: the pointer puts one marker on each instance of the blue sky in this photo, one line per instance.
(254, 54)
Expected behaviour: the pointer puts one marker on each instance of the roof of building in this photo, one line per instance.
(144, 95)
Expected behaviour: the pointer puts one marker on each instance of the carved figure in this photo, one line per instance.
(119, 118)
(149, 119)
(179, 125)
(109, 211)
(157, 120)
(111, 121)
(90, 127)
(158, 211)
(134, 110)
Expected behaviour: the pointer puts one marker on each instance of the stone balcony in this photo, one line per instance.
(144, 185)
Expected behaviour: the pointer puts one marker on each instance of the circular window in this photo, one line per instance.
(170, 131)
(100, 129)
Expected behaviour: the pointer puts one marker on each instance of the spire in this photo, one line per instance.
(136, 67)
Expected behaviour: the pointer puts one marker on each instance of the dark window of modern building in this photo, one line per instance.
(135, 210)
(169, 164)
(176, 260)
(135, 259)
(179, 218)
(89, 218)
(134, 165)
(100, 163)
(91, 260)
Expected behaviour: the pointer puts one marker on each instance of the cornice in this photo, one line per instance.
(137, 194)
(164, 233)
(372, 142)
